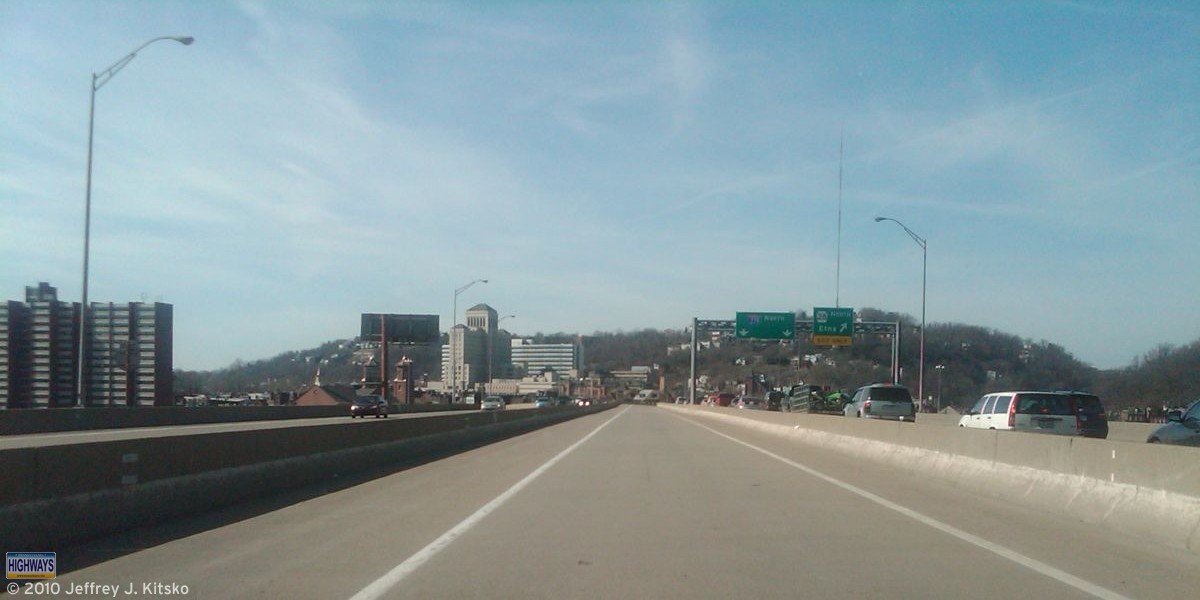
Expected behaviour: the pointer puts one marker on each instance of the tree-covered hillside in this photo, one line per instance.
(974, 360)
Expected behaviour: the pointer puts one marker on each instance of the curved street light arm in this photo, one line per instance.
(916, 238)
(464, 288)
(101, 78)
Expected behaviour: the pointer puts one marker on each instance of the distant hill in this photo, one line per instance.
(339, 361)
(975, 360)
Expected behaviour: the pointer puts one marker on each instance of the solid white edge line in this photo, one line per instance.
(1012, 555)
(389, 580)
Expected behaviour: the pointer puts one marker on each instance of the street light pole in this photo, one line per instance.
(924, 262)
(454, 343)
(98, 81)
(939, 370)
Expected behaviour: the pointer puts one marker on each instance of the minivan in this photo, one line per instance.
(1062, 413)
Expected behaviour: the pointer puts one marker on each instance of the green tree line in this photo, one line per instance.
(974, 360)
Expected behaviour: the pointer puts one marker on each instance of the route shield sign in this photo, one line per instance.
(766, 325)
(833, 326)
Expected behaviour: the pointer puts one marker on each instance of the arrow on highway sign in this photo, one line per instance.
(766, 325)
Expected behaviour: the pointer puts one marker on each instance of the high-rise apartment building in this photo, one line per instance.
(15, 382)
(51, 348)
(129, 352)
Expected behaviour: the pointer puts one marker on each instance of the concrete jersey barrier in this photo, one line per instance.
(1148, 490)
(49, 420)
(57, 495)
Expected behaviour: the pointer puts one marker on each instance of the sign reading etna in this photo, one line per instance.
(832, 326)
(401, 329)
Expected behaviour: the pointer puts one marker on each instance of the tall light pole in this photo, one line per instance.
(453, 342)
(924, 261)
(492, 347)
(98, 81)
(939, 370)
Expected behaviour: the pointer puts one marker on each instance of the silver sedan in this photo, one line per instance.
(1181, 428)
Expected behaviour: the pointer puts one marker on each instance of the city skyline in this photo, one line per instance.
(610, 166)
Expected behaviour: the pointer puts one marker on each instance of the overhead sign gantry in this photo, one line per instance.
(828, 327)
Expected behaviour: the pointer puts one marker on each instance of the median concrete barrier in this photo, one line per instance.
(53, 496)
(49, 420)
(1148, 490)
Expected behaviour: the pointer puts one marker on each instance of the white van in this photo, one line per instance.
(1043, 412)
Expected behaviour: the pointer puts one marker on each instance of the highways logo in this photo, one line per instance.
(31, 565)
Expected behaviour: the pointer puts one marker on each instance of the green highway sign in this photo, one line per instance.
(833, 326)
(766, 325)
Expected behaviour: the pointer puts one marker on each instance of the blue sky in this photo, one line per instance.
(609, 166)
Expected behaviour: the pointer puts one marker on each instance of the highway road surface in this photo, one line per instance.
(634, 502)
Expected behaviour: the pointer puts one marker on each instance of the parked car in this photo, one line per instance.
(1182, 427)
(369, 405)
(1062, 413)
(749, 402)
(882, 401)
(492, 403)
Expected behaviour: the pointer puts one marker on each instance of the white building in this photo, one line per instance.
(531, 358)
(481, 349)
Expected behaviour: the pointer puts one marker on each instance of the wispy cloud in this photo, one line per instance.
(606, 166)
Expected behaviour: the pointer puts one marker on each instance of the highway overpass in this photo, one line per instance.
(645, 502)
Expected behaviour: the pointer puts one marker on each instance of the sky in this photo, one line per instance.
(609, 166)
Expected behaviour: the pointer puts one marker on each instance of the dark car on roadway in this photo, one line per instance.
(369, 405)
(1182, 427)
